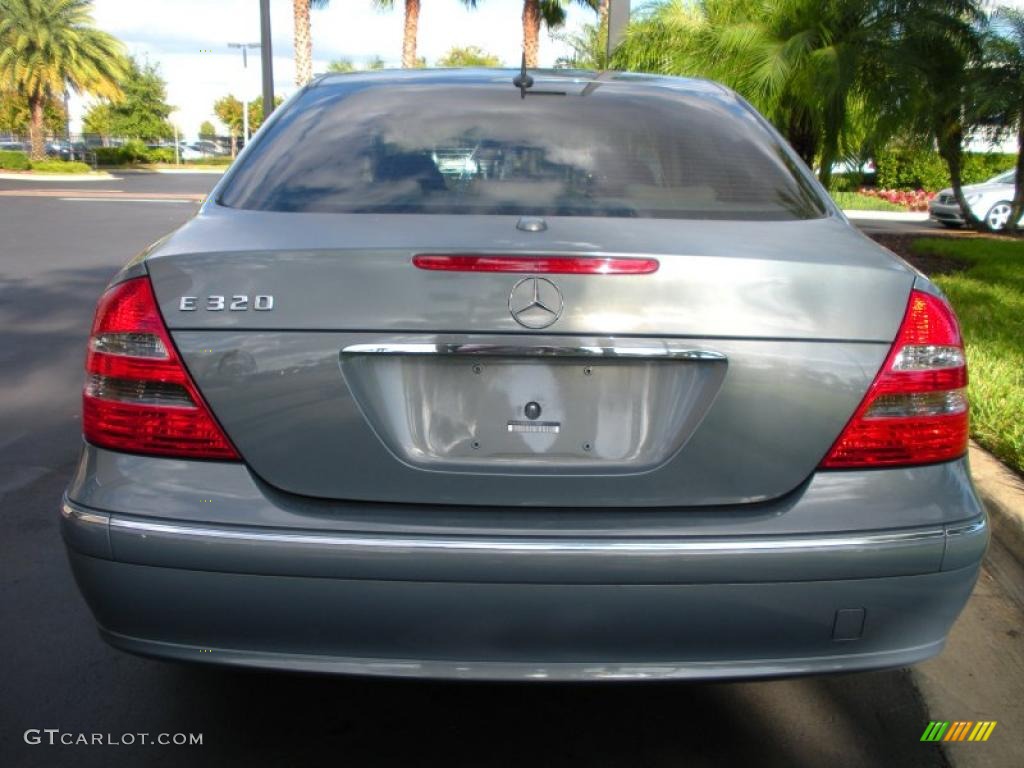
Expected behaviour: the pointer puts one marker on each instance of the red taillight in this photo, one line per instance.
(559, 265)
(138, 397)
(915, 411)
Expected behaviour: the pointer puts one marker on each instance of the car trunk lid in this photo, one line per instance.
(723, 377)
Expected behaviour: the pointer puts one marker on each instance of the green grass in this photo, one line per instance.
(221, 160)
(855, 201)
(215, 163)
(60, 166)
(989, 298)
(190, 164)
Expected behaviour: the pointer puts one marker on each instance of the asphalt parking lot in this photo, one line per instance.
(57, 252)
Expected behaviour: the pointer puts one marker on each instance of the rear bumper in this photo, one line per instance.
(518, 607)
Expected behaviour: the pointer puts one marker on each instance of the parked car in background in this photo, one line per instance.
(13, 146)
(63, 150)
(866, 171)
(989, 201)
(210, 148)
(187, 152)
(433, 386)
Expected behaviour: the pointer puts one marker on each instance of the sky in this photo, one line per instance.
(188, 40)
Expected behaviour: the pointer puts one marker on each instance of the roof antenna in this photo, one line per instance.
(522, 81)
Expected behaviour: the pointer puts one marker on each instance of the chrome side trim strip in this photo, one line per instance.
(78, 515)
(972, 528)
(637, 547)
(510, 350)
(965, 544)
(85, 530)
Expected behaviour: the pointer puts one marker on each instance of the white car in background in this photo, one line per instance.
(990, 202)
(188, 153)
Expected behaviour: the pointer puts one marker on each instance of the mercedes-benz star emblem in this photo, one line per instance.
(535, 302)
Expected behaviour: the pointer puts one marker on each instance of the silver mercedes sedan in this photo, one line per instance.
(471, 374)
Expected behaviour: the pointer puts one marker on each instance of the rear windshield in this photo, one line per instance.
(478, 148)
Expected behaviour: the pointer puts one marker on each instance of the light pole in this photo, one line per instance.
(618, 19)
(177, 141)
(67, 127)
(245, 99)
(267, 59)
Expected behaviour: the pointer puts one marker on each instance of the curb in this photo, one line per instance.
(909, 216)
(1002, 491)
(101, 176)
(211, 171)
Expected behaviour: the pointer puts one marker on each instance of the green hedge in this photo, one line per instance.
(13, 161)
(132, 153)
(923, 169)
(127, 154)
(137, 153)
(18, 161)
(161, 155)
(982, 167)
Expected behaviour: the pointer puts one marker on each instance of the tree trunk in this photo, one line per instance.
(303, 43)
(531, 31)
(1018, 196)
(234, 145)
(951, 150)
(412, 25)
(825, 171)
(829, 153)
(801, 137)
(602, 33)
(35, 129)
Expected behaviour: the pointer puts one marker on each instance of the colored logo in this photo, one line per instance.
(958, 730)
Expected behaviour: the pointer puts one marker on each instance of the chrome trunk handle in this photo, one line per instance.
(643, 352)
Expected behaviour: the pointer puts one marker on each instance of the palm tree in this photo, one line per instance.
(940, 97)
(826, 72)
(411, 29)
(48, 46)
(587, 48)
(303, 39)
(409, 32)
(552, 14)
(1002, 88)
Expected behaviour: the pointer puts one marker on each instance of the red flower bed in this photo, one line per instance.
(912, 200)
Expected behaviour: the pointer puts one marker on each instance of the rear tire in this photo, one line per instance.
(997, 216)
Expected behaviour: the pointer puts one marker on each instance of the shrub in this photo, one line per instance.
(160, 155)
(109, 156)
(980, 166)
(60, 166)
(132, 151)
(13, 161)
(846, 182)
(917, 168)
(911, 168)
